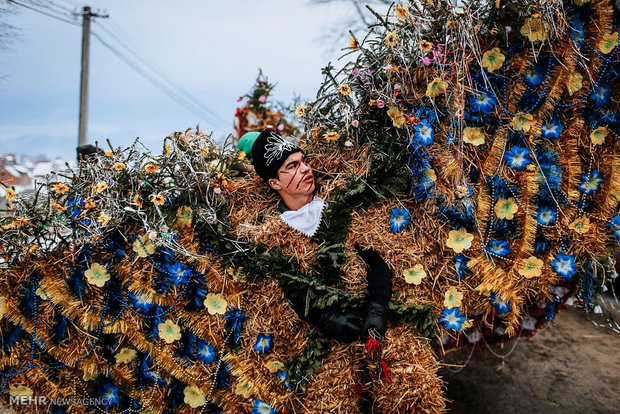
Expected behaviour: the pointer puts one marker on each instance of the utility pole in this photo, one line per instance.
(86, 15)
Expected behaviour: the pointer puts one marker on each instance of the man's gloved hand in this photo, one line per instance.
(343, 327)
(379, 278)
(376, 320)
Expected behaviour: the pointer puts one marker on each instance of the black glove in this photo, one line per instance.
(340, 326)
(378, 274)
(375, 320)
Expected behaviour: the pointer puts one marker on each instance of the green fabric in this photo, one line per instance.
(246, 142)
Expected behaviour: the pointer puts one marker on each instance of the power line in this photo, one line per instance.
(160, 81)
(45, 13)
(158, 72)
(171, 93)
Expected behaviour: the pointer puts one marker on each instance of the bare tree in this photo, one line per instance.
(8, 32)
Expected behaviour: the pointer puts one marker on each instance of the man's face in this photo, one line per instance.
(294, 176)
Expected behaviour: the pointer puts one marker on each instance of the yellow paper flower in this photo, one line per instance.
(425, 45)
(436, 87)
(60, 188)
(484, 289)
(473, 136)
(90, 375)
(574, 82)
(204, 152)
(169, 331)
(3, 306)
(452, 298)
(402, 12)
(215, 303)
(506, 208)
(598, 135)
(108, 153)
(167, 148)
(344, 89)
(136, 200)
(194, 396)
(125, 356)
(97, 275)
(274, 366)
(459, 240)
(184, 216)
(391, 39)
(531, 267)
(493, 59)
(41, 294)
(20, 391)
(89, 203)
(331, 136)
(58, 207)
(581, 225)
(102, 186)
(143, 246)
(398, 118)
(158, 199)
(353, 44)
(300, 110)
(608, 43)
(151, 168)
(243, 390)
(415, 274)
(103, 219)
(452, 24)
(119, 166)
(430, 175)
(10, 194)
(535, 29)
(522, 122)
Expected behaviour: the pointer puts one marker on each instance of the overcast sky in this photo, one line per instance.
(210, 48)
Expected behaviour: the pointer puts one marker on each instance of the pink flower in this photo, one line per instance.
(355, 72)
(262, 99)
(437, 53)
(427, 61)
(281, 127)
(239, 99)
(380, 103)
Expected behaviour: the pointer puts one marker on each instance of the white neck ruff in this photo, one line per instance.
(307, 219)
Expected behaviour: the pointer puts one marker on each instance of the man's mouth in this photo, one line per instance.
(309, 179)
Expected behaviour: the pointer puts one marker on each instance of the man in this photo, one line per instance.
(284, 168)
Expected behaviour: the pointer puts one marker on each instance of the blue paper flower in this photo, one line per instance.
(453, 318)
(614, 224)
(399, 220)
(206, 352)
(261, 407)
(460, 265)
(499, 247)
(533, 78)
(483, 102)
(178, 274)
(551, 129)
(546, 216)
(284, 378)
(75, 206)
(564, 265)
(518, 157)
(590, 183)
(263, 344)
(140, 303)
(577, 33)
(500, 305)
(424, 132)
(601, 94)
(109, 394)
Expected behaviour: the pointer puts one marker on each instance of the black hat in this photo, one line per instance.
(269, 152)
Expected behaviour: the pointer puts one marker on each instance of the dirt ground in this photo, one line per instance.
(572, 366)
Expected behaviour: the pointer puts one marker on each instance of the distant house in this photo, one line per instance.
(15, 175)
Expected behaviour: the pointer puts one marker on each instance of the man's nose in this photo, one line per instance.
(304, 167)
